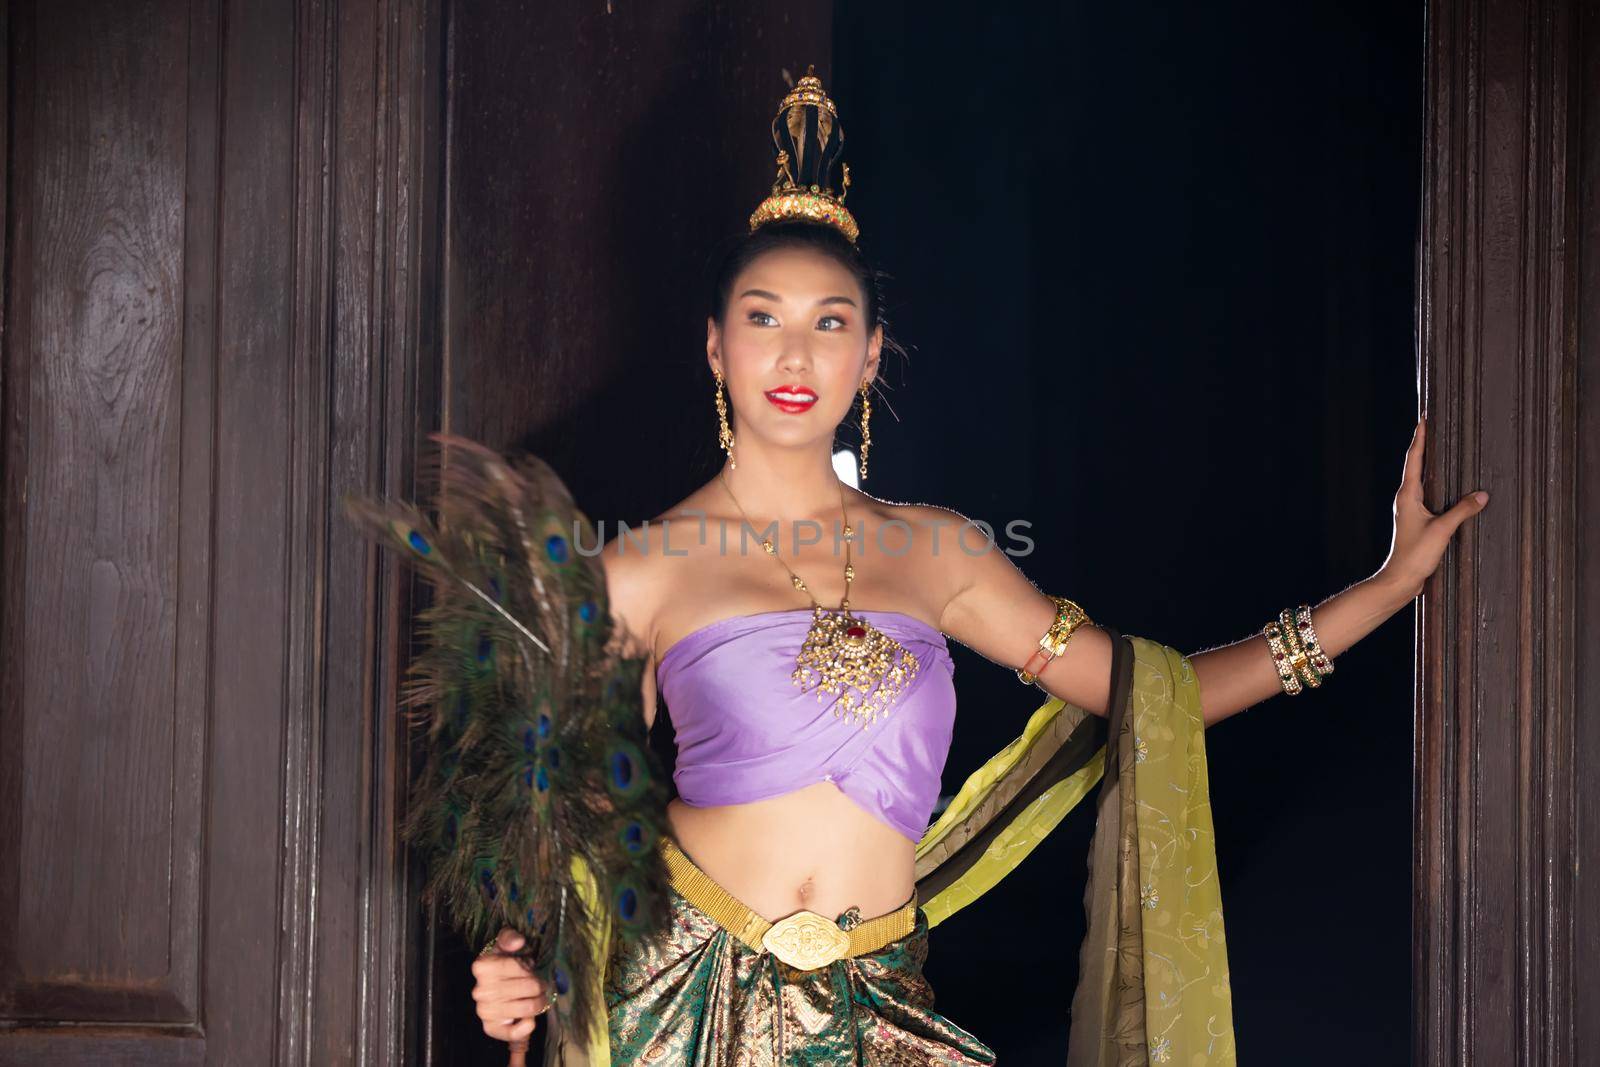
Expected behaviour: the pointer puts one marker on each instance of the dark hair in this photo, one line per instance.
(818, 237)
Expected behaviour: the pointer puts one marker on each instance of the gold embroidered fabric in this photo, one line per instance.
(702, 995)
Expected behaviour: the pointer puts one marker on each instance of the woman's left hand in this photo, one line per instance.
(1420, 536)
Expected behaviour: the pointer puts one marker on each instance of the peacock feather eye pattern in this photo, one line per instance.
(484, 870)
(627, 903)
(563, 979)
(411, 537)
(635, 837)
(626, 774)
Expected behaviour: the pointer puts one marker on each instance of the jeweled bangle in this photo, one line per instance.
(1308, 638)
(1298, 659)
(1069, 616)
(1280, 658)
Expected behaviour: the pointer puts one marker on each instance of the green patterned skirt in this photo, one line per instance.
(699, 996)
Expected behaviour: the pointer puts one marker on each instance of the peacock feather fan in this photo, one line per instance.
(536, 767)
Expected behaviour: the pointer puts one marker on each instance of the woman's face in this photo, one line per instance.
(794, 347)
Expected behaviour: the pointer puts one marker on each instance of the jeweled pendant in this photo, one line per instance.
(847, 657)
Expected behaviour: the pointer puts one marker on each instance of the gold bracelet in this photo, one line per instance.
(1308, 637)
(1297, 655)
(1280, 659)
(1069, 616)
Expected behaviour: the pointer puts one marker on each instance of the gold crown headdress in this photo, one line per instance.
(809, 139)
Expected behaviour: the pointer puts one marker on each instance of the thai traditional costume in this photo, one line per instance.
(725, 987)
(1153, 967)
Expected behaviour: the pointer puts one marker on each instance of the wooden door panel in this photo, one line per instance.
(105, 701)
(197, 856)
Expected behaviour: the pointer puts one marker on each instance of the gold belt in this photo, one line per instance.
(805, 940)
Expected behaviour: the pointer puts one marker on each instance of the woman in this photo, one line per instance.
(804, 810)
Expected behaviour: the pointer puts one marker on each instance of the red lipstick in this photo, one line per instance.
(792, 399)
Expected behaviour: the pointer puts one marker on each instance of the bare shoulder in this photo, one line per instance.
(936, 519)
(938, 546)
(636, 580)
(993, 608)
(636, 586)
(633, 582)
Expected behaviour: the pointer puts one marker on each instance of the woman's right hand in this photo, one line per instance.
(509, 999)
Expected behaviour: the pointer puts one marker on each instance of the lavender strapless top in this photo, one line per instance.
(746, 732)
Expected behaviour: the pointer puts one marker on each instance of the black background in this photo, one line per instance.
(1155, 268)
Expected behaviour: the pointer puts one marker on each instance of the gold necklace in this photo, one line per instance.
(842, 651)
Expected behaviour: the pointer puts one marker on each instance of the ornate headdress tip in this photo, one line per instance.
(809, 140)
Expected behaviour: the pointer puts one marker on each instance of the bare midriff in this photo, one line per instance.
(812, 849)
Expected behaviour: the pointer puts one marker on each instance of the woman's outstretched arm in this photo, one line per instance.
(999, 613)
(1233, 677)
(1236, 676)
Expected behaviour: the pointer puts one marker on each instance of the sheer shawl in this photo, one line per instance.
(1153, 968)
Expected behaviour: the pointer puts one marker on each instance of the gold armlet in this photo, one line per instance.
(1069, 616)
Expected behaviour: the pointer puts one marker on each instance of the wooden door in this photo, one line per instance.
(219, 290)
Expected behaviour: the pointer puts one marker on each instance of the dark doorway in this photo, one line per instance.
(1159, 237)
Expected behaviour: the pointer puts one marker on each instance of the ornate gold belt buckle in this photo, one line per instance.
(806, 940)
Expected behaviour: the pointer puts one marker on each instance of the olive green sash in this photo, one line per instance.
(1153, 969)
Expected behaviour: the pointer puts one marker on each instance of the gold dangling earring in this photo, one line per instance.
(724, 431)
(866, 433)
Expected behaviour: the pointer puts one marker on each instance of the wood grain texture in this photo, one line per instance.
(1500, 665)
(101, 826)
(1583, 621)
(220, 287)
